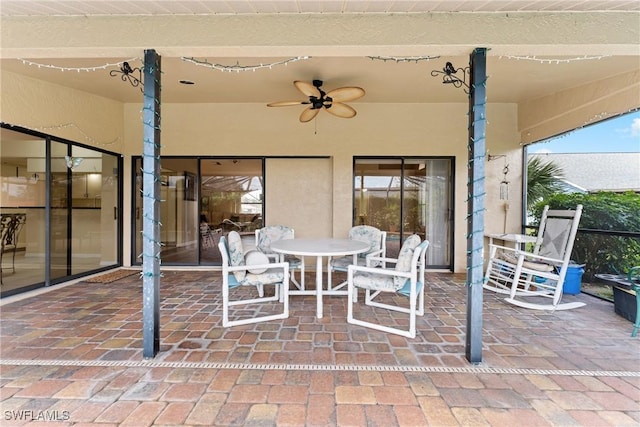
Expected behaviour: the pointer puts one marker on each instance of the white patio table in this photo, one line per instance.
(319, 248)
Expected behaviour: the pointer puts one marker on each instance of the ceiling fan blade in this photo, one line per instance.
(309, 114)
(307, 88)
(286, 103)
(341, 110)
(346, 94)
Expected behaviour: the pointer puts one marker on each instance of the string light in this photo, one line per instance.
(554, 60)
(594, 119)
(415, 59)
(238, 68)
(64, 126)
(78, 69)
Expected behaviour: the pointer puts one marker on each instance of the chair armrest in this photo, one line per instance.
(269, 266)
(528, 256)
(512, 237)
(382, 259)
(380, 271)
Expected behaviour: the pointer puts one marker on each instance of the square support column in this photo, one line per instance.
(475, 203)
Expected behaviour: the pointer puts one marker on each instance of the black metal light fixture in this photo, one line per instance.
(132, 75)
(450, 76)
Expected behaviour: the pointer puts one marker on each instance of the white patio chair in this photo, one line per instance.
(377, 241)
(272, 233)
(540, 272)
(406, 279)
(235, 274)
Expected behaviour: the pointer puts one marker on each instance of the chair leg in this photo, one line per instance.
(13, 260)
(636, 325)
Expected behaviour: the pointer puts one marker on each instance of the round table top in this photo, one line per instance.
(319, 247)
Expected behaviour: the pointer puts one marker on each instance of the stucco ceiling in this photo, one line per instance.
(150, 7)
(388, 79)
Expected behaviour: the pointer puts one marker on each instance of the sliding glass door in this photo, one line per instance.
(202, 199)
(59, 210)
(404, 196)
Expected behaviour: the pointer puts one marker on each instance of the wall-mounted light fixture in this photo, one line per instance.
(450, 76)
(126, 73)
(73, 162)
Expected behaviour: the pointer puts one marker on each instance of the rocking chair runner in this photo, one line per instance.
(540, 273)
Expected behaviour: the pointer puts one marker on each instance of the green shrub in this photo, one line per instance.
(602, 211)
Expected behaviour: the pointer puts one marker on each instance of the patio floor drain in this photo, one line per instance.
(304, 367)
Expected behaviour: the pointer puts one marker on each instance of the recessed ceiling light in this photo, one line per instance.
(187, 82)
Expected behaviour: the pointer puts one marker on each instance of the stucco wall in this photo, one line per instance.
(56, 110)
(255, 130)
(378, 129)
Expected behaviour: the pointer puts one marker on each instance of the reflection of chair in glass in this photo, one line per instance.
(207, 235)
(383, 286)
(236, 274)
(10, 226)
(272, 233)
(377, 241)
(541, 272)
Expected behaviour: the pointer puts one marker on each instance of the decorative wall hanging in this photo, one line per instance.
(132, 75)
(450, 76)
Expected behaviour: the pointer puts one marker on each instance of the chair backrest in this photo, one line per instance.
(272, 233)
(5, 226)
(224, 251)
(406, 258)
(232, 253)
(371, 235)
(11, 224)
(557, 233)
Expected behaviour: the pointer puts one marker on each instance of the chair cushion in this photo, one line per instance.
(374, 282)
(272, 233)
(404, 258)
(406, 289)
(255, 258)
(236, 254)
(342, 264)
(366, 234)
(269, 277)
(512, 258)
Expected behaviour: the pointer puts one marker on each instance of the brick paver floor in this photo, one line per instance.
(73, 356)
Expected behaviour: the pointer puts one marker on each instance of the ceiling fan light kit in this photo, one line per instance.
(332, 101)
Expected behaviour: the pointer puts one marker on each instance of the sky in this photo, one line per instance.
(617, 135)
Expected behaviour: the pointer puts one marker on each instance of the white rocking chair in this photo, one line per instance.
(540, 273)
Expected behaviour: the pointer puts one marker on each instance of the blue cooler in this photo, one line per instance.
(573, 279)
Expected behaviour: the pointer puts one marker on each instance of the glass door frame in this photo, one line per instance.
(48, 140)
(402, 160)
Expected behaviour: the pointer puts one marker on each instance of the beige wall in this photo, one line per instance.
(60, 111)
(254, 130)
(379, 129)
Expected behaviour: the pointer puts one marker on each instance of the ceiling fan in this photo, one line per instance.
(332, 101)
